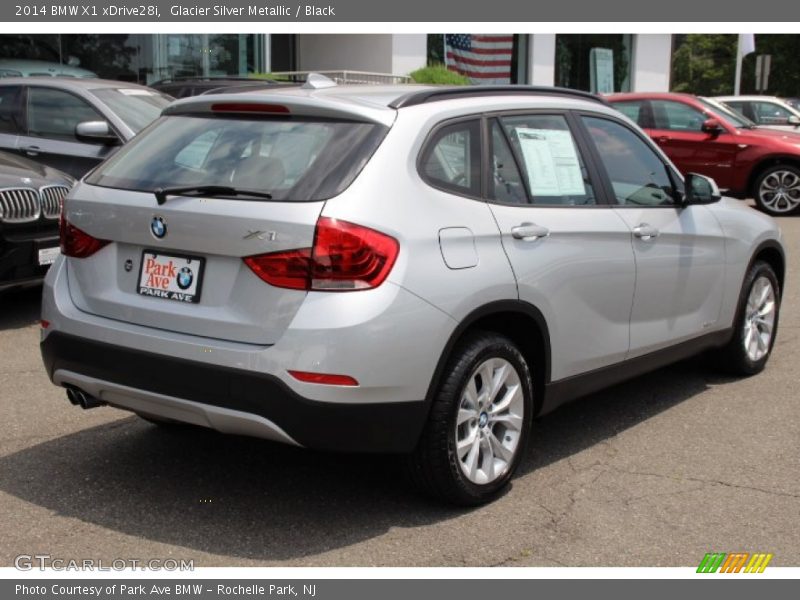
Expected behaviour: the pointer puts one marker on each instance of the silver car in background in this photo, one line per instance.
(73, 124)
(405, 269)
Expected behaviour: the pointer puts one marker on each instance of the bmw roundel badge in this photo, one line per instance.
(185, 278)
(158, 227)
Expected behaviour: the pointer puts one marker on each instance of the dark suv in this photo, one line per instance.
(30, 204)
(701, 135)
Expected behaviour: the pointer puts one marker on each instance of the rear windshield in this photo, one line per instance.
(289, 158)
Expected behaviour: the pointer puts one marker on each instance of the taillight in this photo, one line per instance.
(77, 243)
(345, 257)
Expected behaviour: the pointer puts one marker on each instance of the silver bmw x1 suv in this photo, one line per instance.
(414, 270)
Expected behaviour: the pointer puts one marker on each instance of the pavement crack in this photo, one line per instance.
(706, 481)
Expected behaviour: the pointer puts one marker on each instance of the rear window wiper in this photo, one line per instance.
(206, 190)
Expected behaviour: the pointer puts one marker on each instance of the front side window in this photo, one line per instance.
(638, 176)
(54, 114)
(452, 158)
(291, 159)
(768, 113)
(553, 168)
(677, 116)
(137, 107)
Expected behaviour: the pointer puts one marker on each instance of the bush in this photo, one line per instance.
(438, 74)
(271, 76)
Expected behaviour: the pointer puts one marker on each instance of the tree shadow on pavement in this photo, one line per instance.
(247, 498)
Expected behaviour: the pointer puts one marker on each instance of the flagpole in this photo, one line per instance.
(737, 86)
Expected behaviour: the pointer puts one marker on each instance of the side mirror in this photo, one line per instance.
(73, 61)
(793, 120)
(96, 132)
(700, 190)
(711, 126)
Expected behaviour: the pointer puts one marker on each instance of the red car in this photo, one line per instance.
(699, 135)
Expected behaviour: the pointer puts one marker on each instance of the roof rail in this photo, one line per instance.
(450, 93)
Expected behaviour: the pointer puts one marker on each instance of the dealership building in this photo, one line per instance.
(638, 62)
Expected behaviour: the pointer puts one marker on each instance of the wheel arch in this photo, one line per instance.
(520, 321)
(767, 163)
(771, 252)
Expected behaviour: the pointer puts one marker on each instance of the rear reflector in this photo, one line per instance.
(77, 243)
(345, 257)
(323, 378)
(275, 109)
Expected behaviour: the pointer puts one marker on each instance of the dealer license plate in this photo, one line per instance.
(47, 256)
(171, 277)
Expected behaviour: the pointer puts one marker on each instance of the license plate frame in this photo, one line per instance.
(172, 294)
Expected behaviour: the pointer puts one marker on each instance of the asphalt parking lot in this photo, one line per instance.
(654, 472)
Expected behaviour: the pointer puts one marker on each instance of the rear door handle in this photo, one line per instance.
(661, 139)
(645, 232)
(31, 150)
(529, 232)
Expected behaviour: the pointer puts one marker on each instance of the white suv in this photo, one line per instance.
(401, 269)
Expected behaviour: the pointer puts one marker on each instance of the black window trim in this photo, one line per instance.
(606, 179)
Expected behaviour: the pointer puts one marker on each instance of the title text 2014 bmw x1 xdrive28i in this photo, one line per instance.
(397, 269)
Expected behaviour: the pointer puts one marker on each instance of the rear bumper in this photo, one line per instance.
(231, 400)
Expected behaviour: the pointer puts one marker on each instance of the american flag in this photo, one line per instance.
(482, 58)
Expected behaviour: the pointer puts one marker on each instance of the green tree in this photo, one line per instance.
(704, 64)
(784, 75)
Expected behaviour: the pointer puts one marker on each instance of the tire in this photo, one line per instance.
(777, 190)
(756, 323)
(492, 431)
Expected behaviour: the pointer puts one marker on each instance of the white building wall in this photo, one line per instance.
(542, 59)
(409, 53)
(652, 61)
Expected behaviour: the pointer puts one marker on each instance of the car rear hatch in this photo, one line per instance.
(157, 235)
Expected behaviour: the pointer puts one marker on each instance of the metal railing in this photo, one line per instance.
(345, 77)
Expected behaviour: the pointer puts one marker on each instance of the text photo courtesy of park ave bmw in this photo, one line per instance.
(280, 294)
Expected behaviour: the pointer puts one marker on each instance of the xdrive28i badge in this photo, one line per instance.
(158, 227)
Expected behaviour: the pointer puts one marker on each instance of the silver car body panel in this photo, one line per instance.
(598, 288)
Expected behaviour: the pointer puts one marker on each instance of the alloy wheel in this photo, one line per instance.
(489, 423)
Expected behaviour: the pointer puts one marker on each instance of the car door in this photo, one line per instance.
(677, 129)
(11, 121)
(679, 251)
(570, 252)
(51, 117)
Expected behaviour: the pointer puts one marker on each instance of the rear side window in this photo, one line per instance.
(452, 158)
(553, 167)
(290, 158)
(634, 110)
(10, 105)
